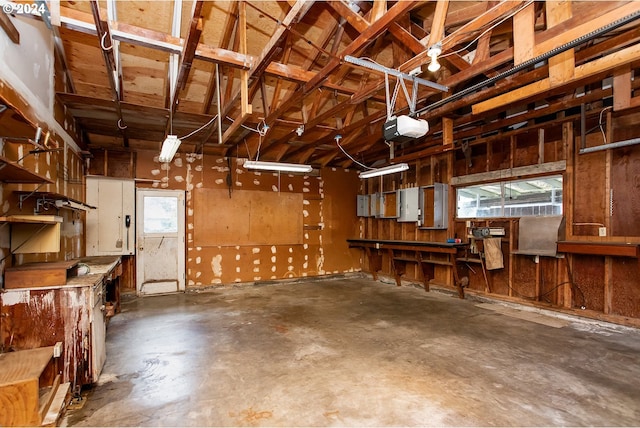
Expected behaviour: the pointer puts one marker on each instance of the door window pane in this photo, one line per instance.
(160, 214)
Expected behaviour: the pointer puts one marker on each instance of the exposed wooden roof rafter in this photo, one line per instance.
(104, 36)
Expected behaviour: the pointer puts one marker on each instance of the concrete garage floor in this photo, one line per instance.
(354, 352)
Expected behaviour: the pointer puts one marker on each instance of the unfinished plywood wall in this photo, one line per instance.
(254, 226)
(65, 168)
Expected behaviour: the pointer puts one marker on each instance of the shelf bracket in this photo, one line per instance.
(23, 198)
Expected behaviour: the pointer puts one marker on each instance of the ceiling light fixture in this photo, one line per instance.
(277, 166)
(399, 167)
(171, 143)
(433, 52)
(169, 148)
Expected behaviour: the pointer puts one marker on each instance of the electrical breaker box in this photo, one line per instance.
(375, 201)
(364, 206)
(434, 205)
(111, 226)
(409, 204)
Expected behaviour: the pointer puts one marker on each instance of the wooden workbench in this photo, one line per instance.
(426, 254)
(71, 312)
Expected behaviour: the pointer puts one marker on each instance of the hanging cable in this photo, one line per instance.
(604, 136)
(337, 138)
(260, 130)
(199, 129)
(259, 145)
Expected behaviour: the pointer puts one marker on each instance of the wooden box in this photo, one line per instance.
(40, 274)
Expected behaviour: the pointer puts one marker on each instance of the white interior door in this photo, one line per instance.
(160, 254)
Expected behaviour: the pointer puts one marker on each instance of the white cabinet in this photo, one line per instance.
(110, 227)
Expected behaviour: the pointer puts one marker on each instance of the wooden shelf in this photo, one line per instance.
(620, 249)
(11, 172)
(31, 219)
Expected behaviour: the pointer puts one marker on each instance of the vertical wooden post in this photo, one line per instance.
(447, 131)
(608, 188)
(511, 249)
(622, 88)
(561, 66)
(540, 146)
(608, 284)
(245, 107)
(568, 184)
(524, 34)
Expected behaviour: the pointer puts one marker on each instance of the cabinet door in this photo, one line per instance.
(108, 231)
(434, 206)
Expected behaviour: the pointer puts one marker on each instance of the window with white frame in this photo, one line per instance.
(516, 198)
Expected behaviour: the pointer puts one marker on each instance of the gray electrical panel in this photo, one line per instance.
(374, 204)
(409, 204)
(434, 205)
(364, 206)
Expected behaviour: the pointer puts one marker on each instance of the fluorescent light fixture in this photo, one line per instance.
(384, 170)
(433, 53)
(277, 166)
(169, 148)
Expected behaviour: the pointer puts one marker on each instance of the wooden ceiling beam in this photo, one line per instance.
(296, 13)
(578, 26)
(364, 39)
(378, 10)
(360, 23)
(367, 36)
(188, 51)
(9, 28)
(225, 43)
(464, 33)
(104, 36)
(437, 25)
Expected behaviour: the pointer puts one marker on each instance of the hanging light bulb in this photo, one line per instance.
(433, 53)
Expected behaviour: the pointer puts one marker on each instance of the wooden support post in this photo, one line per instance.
(568, 140)
(541, 146)
(245, 108)
(538, 287)
(512, 246)
(608, 284)
(608, 186)
(622, 88)
(447, 131)
(561, 66)
(524, 34)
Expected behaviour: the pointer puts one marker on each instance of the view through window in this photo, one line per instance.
(517, 198)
